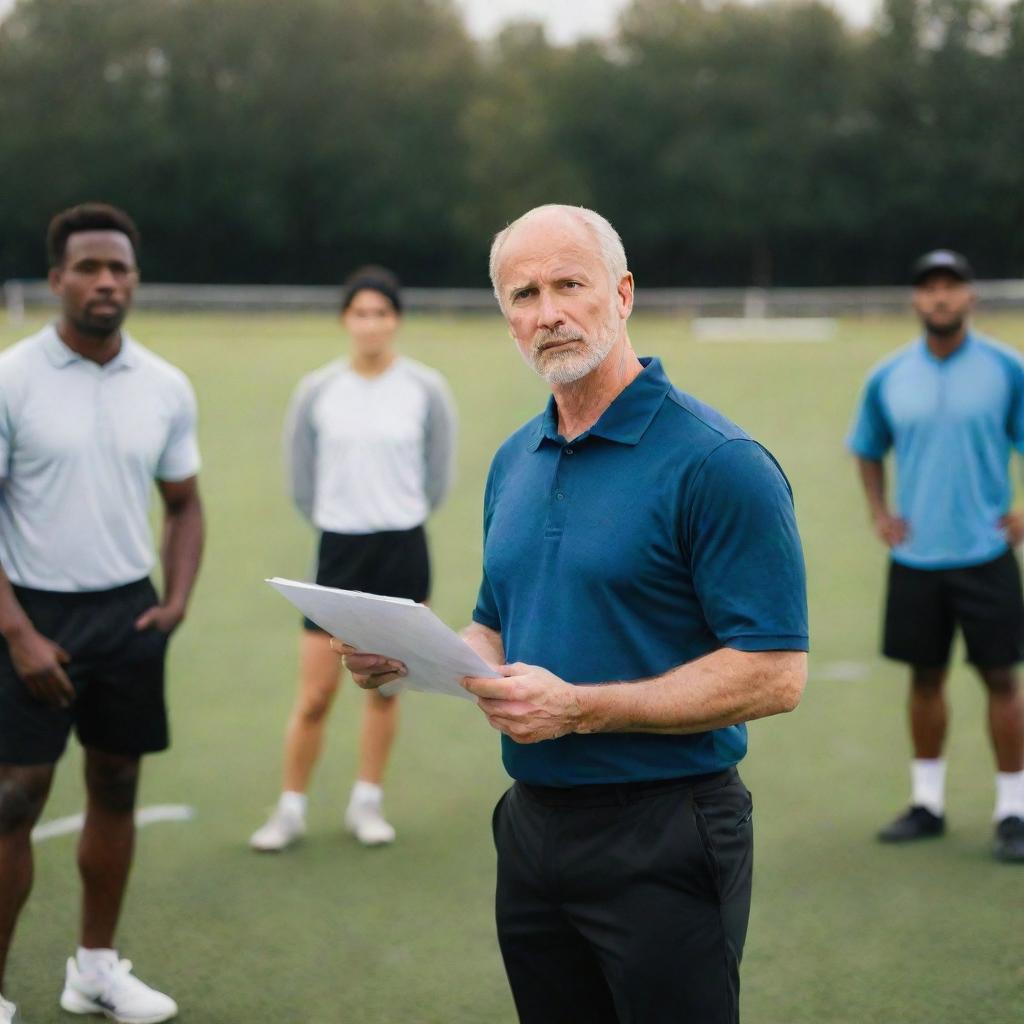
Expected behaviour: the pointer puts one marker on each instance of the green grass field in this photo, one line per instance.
(843, 931)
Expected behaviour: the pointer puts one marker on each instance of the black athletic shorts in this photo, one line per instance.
(924, 607)
(117, 673)
(393, 563)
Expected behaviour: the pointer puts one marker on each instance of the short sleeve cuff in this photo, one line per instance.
(179, 463)
(781, 642)
(865, 451)
(175, 474)
(483, 619)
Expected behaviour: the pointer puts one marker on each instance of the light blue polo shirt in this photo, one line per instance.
(80, 447)
(659, 535)
(952, 424)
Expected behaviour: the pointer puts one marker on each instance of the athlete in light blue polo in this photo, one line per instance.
(951, 408)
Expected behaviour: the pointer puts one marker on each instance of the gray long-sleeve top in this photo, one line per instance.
(367, 454)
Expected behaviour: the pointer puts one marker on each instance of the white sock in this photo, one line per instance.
(928, 778)
(92, 961)
(293, 804)
(1009, 795)
(367, 794)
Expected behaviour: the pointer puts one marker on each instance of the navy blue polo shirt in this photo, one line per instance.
(659, 535)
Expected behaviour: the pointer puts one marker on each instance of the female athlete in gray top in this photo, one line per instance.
(370, 444)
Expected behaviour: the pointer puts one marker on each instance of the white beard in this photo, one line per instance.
(570, 365)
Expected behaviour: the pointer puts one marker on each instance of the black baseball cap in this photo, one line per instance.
(941, 259)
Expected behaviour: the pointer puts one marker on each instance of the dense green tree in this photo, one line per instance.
(517, 157)
(254, 140)
(730, 143)
(737, 122)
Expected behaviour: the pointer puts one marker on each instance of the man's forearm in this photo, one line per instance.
(12, 616)
(181, 551)
(723, 688)
(486, 642)
(872, 477)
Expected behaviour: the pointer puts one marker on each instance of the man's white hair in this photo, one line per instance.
(608, 242)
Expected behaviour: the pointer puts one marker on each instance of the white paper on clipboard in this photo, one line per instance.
(437, 658)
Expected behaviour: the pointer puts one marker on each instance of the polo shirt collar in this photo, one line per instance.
(624, 421)
(929, 356)
(61, 355)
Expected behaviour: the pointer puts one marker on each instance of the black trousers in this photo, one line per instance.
(625, 904)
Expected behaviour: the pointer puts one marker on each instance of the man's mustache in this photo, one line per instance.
(112, 303)
(554, 336)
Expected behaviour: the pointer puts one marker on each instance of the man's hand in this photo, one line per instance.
(369, 671)
(891, 530)
(39, 662)
(163, 617)
(529, 704)
(1013, 527)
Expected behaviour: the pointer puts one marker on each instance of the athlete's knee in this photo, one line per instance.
(1000, 682)
(112, 782)
(22, 796)
(314, 704)
(927, 681)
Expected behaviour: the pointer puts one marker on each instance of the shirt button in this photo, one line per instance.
(568, 451)
(559, 495)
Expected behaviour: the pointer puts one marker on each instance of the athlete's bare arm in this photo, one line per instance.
(180, 552)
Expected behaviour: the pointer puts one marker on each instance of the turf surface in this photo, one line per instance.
(843, 931)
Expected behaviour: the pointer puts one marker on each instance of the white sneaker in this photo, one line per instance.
(366, 822)
(281, 831)
(7, 1011)
(116, 993)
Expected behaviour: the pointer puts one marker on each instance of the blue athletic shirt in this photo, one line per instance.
(659, 535)
(951, 423)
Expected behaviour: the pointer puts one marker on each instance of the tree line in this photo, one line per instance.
(730, 144)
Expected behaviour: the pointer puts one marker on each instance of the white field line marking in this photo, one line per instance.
(843, 671)
(780, 329)
(143, 816)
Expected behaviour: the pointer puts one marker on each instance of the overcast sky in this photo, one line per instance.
(569, 19)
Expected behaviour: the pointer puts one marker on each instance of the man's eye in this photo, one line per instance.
(571, 284)
(523, 293)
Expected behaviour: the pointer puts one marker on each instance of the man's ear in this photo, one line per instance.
(625, 292)
(54, 277)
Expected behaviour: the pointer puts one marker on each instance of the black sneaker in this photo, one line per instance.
(1009, 845)
(917, 823)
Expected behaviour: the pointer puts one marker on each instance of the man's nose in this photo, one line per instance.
(549, 313)
(106, 280)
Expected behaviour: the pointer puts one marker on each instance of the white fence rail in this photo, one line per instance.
(695, 302)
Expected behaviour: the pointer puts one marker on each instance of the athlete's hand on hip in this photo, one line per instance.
(528, 704)
(891, 530)
(368, 670)
(40, 663)
(1013, 527)
(164, 617)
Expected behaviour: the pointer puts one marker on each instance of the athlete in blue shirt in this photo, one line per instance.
(643, 575)
(951, 408)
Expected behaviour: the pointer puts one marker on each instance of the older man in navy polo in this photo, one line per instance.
(643, 595)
